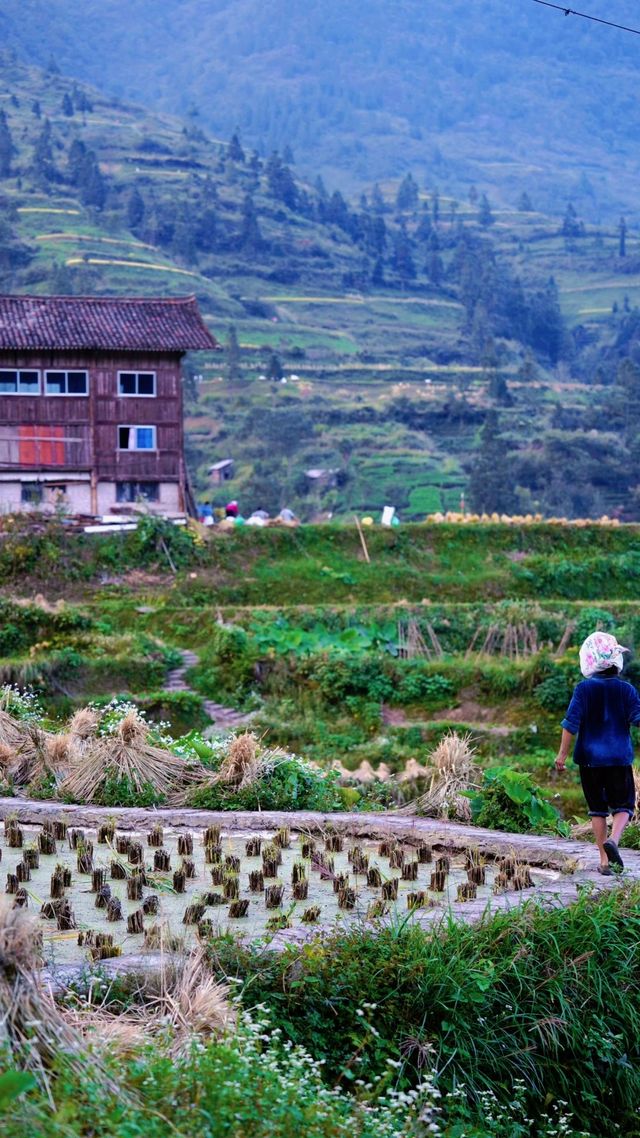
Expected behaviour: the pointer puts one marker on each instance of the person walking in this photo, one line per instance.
(602, 709)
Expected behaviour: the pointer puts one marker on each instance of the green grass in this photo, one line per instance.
(546, 996)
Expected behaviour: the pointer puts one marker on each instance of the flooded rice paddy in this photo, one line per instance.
(102, 893)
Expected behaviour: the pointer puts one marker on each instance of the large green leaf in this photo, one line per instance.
(13, 1084)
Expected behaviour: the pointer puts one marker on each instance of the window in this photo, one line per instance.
(19, 382)
(66, 383)
(137, 491)
(141, 383)
(136, 438)
(31, 493)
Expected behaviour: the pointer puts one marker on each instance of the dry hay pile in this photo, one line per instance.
(182, 997)
(25, 754)
(31, 1026)
(244, 763)
(453, 774)
(241, 765)
(127, 754)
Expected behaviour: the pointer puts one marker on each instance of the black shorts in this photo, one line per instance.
(608, 790)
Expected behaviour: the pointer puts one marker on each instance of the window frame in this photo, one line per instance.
(138, 427)
(37, 488)
(152, 497)
(66, 372)
(18, 371)
(136, 394)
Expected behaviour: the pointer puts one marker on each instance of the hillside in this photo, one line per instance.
(397, 320)
(509, 96)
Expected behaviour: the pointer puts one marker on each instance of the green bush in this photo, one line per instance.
(509, 800)
(290, 785)
(122, 792)
(554, 693)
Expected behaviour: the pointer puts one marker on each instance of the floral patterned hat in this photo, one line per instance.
(599, 652)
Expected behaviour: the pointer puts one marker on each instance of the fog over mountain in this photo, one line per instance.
(504, 94)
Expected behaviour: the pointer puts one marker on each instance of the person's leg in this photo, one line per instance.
(599, 827)
(620, 820)
(590, 778)
(620, 791)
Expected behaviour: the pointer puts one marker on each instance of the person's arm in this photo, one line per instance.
(570, 727)
(565, 747)
(634, 707)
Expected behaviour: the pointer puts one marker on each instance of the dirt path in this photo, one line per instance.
(223, 718)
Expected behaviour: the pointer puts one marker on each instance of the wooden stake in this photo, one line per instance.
(362, 541)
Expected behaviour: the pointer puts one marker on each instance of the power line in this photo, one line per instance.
(585, 16)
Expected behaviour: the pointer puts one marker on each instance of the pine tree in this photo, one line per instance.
(403, 262)
(434, 268)
(76, 160)
(233, 356)
(235, 153)
(42, 163)
(91, 183)
(6, 147)
(485, 216)
(135, 209)
(36, 108)
(524, 203)
(490, 482)
(250, 235)
(67, 105)
(622, 233)
(274, 368)
(407, 196)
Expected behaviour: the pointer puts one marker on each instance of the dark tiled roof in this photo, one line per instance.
(102, 323)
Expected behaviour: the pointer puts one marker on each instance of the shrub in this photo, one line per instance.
(290, 785)
(509, 800)
(121, 792)
(554, 693)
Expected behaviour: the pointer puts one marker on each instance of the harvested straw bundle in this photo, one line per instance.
(241, 765)
(454, 770)
(184, 998)
(31, 1025)
(126, 754)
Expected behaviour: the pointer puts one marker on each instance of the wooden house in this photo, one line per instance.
(91, 401)
(222, 471)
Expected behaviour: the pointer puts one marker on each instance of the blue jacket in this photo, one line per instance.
(601, 711)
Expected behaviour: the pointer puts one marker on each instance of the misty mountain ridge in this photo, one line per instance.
(503, 95)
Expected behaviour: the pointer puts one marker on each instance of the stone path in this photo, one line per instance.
(223, 718)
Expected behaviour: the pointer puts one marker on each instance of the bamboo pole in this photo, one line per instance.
(362, 541)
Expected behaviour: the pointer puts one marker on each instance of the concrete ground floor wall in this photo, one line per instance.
(71, 491)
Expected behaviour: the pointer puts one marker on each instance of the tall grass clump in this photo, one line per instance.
(548, 996)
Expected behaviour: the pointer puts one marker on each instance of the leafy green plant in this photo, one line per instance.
(290, 785)
(509, 800)
(121, 792)
(13, 1084)
(554, 693)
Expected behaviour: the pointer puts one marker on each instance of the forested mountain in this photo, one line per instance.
(503, 94)
(407, 345)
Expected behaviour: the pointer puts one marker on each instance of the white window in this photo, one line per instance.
(66, 383)
(19, 382)
(137, 438)
(140, 383)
